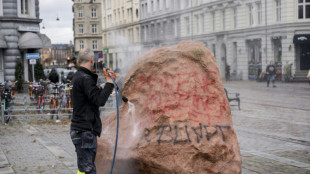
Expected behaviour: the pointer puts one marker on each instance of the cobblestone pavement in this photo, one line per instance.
(273, 129)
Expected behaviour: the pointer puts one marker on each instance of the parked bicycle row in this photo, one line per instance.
(45, 99)
(55, 95)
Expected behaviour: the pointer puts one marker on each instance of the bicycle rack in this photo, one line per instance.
(28, 110)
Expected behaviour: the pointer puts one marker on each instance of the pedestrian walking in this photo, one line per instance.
(271, 74)
(86, 123)
(227, 72)
(62, 77)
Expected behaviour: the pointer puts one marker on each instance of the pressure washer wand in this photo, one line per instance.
(125, 99)
(117, 125)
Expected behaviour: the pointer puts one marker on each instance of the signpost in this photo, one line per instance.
(32, 60)
(106, 51)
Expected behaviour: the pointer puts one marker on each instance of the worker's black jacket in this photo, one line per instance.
(86, 99)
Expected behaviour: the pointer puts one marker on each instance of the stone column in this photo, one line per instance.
(12, 53)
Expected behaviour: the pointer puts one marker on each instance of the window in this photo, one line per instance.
(159, 29)
(163, 6)
(177, 28)
(213, 21)
(278, 10)
(94, 28)
(146, 10)
(223, 18)
(157, 6)
(187, 32)
(259, 12)
(251, 14)
(81, 30)
(137, 33)
(95, 44)
(80, 13)
(81, 44)
(303, 9)
(146, 33)
(197, 24)
(1, 9)
(93, 13)
(167, 5)
(142, 11)
(109, 4)
(235, 17)
(152, 7)
(24, 7)
(202, 19)
(186, 3)
(130, 35)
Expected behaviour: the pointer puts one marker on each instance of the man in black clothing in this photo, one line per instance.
(271, 74)
(86, 99)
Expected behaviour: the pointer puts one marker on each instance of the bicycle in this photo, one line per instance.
(66, 97)
(41, 94)
(6, 99)
(54, 100)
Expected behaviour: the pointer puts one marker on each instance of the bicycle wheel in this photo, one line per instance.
(39, 102)
(7, 117)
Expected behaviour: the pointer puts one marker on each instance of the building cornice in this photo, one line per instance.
(88, 37)
(272, 30)
(121, 26)
(208, 7)
(16, 19)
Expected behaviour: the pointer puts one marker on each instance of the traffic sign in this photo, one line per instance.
(106, 50)
(32, 61)
(32, 55)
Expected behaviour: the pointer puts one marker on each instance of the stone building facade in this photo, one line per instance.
(244, 34)
(19, 34)
(87, 25)
(121, 32)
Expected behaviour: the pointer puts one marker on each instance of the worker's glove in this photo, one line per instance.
(107, 75)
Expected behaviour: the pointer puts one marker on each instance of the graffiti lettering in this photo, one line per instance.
(166, 134)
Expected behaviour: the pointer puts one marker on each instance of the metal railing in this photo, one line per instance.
(29, 110)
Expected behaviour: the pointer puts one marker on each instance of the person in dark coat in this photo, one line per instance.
(70, 76)
(53, 76)
(86, 98)
(271, 74)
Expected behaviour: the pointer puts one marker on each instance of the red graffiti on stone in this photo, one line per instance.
(186, 95)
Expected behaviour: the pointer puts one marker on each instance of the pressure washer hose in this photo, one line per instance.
(117, 125)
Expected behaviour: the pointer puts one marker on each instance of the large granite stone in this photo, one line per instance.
(181, 120)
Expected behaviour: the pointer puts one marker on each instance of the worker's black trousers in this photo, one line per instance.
(86, 147)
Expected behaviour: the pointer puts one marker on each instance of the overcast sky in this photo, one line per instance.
(58, 31)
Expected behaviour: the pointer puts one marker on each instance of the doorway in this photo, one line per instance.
(304, 56)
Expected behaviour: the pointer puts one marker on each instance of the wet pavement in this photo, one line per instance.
(273, 129)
